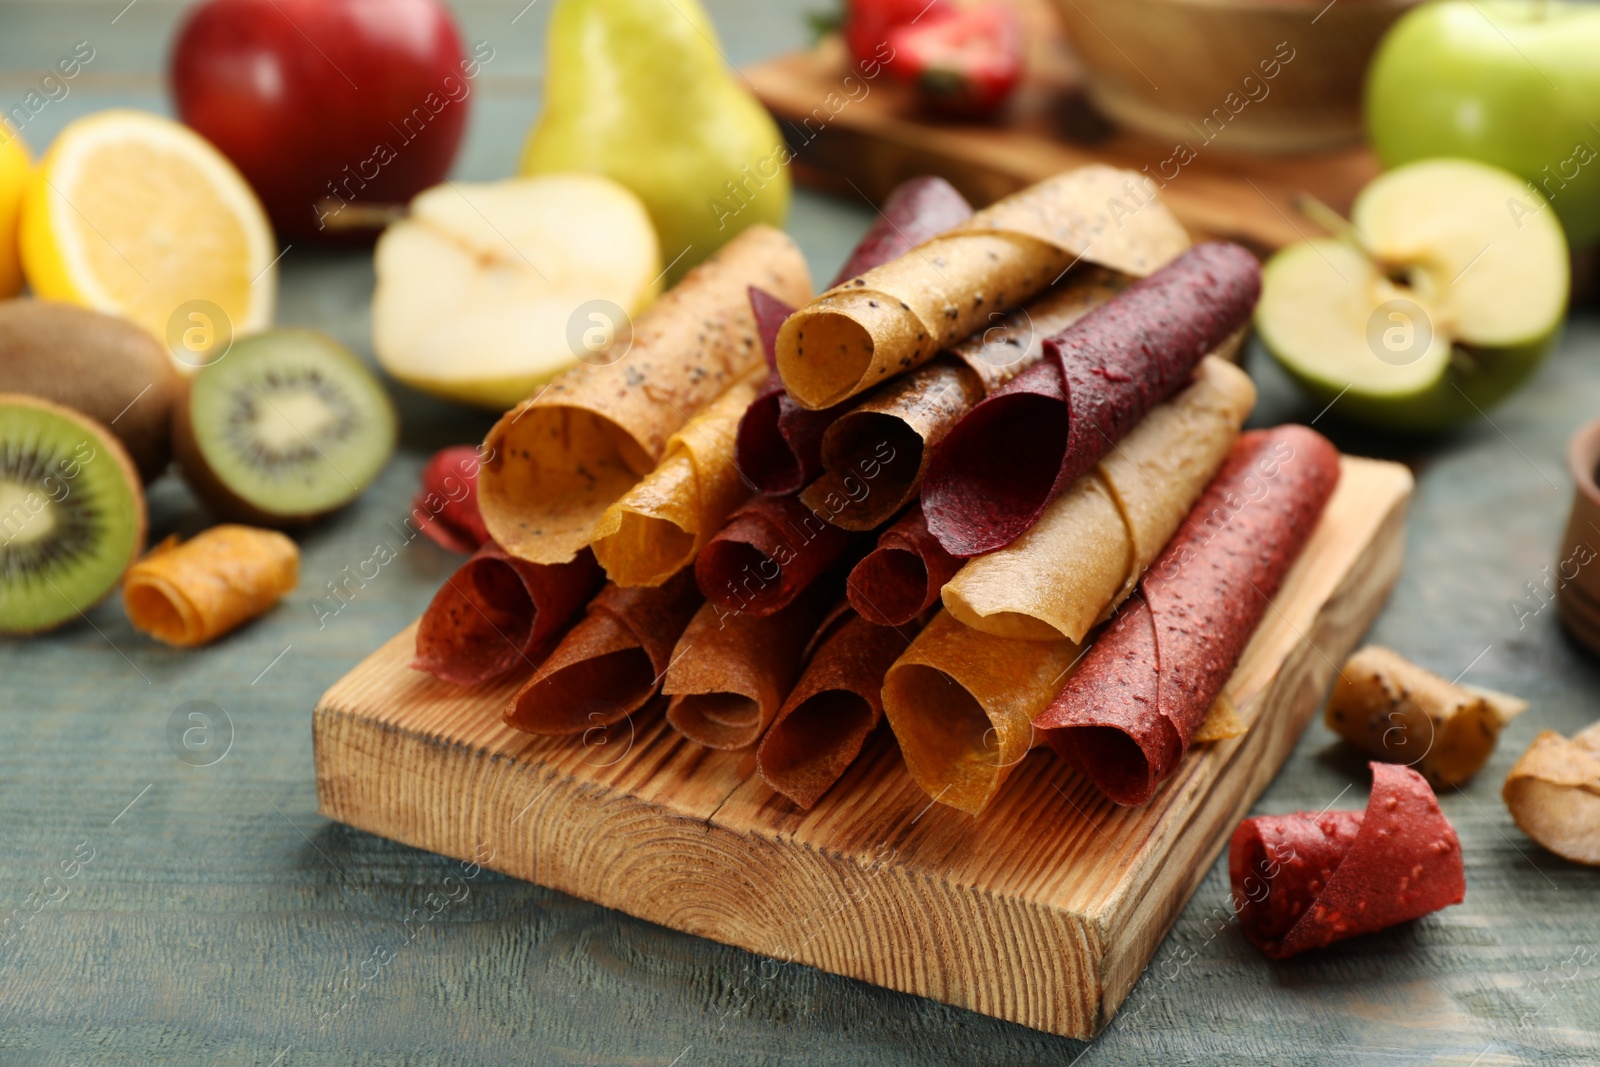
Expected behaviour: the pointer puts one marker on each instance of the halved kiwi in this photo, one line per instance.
(72, 514)
(286, 427)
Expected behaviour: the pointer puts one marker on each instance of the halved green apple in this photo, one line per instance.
(487, 291)
(1441, 299)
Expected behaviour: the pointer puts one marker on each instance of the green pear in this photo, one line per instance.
(637, 90)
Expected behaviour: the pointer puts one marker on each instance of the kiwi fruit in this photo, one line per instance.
(109, 369)
(286, 427)
(72, 514)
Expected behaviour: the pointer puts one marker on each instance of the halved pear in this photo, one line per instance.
(1443, 299)
(478, 289)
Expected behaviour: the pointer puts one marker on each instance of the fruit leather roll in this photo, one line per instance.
(497, 612)
(191, 593)
(611, 663)
(768, 553)
(780, 442)
(961, 703)
(732, 670)
(993, 475)
(1306, 880)
(1553, 793)
(835, 705)
(660, 525)
(1127, 715)
(1088, 550)
(897, 316)
(902, 576)
(555, 462)
(885, 441)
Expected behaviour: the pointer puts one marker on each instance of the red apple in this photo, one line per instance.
(323, 104)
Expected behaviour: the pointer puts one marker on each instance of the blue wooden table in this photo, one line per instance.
(181, 902)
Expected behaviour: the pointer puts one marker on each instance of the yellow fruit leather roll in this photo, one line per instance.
(897, 316)
(661, 524)
(192, 592)
(558, 460)
(1553, 793)
(1087, 552)
(961, 703)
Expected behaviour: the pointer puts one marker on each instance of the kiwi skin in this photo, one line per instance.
(115, 449)
(98, 365)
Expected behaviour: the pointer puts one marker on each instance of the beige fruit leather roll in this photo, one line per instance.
(1088, 551)
(1553, 792)
(661, 524)
(558, 460)
(193, 592)
(898, 316)
(962, 702)
(1402, 713)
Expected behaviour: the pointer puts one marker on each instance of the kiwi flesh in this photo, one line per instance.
(109, 369)
(72, 513)
(286, 427)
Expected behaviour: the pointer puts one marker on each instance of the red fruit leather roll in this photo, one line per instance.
(1126, 717)
(994, 474)
(768, 553)
(1306, 880)
(446, 505)
(611, 663)
(835, 705)
(901, 577)
(780, 443)
(497, 612)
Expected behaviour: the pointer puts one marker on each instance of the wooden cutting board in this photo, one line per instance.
(863, 136)
(1044, 911)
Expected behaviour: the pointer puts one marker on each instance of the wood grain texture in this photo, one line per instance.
(851, 131)
(1043, 911)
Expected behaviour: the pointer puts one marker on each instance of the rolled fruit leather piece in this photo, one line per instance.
(1129, 712)
(611, 663)
(961, 703)
(559, 459)
(833, 708)
(1306, 880)
(886, 438)
(901, 577)
(731, 670)
(1402, 713)
(780, 442)
(993, 475)
(1091, 546)
(661, 524)
(896, 317)
(496, 613)
(1553, 793)
(193, 592)
(769, 552)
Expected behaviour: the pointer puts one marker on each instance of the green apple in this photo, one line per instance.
(638, 90)
(487, 291)
(1515, 83)
(1440, 299)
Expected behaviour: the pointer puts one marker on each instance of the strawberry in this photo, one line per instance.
(868, 23)
(965, 65)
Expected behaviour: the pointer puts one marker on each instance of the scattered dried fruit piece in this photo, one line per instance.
(1554, 794)
(447, 504)
(1402, 713)
(191, 593)
(1306, 880)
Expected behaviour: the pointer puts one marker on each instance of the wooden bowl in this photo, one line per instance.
(1248, 75)
(1576, 575)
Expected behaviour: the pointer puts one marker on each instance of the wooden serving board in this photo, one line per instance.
(1043, 911)
(865, 136)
